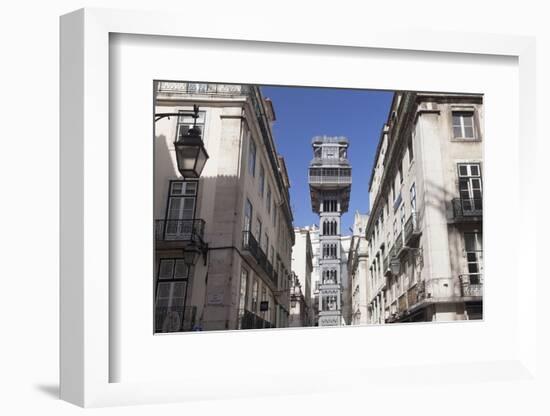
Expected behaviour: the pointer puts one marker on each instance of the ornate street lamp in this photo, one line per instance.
(190, 152)
(395, 266)
(191, 255)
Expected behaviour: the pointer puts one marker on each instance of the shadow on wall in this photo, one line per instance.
(162, 158)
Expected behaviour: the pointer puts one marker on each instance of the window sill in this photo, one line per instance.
(465, 139)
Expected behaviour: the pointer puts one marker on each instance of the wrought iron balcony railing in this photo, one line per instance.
(251, 244)
(412, 295)
(411, 228)
(180, 230)
(472, 284)
(175, 318)
(467, 209)
(402, 304)
(398, 243)
(250, 320)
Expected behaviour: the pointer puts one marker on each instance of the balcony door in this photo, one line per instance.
(474, 256)
(171, 313)
(181, 210)
(470, 188)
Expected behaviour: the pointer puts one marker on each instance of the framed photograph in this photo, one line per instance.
(235, 206)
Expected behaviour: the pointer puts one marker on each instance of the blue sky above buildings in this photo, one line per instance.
(303, 113)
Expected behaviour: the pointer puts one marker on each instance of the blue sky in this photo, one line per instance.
(303, 113)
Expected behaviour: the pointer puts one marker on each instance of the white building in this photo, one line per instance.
(237, 214)
(302, 267)
(357, 270)
(424, 231)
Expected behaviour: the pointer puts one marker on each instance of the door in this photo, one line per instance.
(474, 257)
(470, 188)
(181, 210)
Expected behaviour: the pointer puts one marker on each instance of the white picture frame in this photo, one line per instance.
(87, 356)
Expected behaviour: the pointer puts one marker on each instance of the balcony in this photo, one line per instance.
(250, 320)
(386, 266)
(472, 285)
(467, 210)
(402, 304)
(179, 233)
(411, 230)
(250, 244)
(175, 318)
(439, 289)
(398, 246)
(413, 295)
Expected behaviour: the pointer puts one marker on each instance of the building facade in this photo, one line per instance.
(424, 232)
(237, 213)
(302, 267)
(330, 186)
(299, 309)
(357, 264)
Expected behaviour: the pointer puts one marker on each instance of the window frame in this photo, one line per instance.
(252, 155)
(462, 111)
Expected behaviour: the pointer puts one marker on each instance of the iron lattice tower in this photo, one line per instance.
(330, 186)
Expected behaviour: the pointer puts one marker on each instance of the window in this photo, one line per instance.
(470, 187)
(262, 180)
(330, 205)
(330, 227)
(329, 251)
(185, 122)
(170, 269)
(400, 172)
(274, 215)
(251, 155)
(264, 299)
(254, 300)
(268, 199)
(247, 215)
(402, 211)
(474, 256)
(259, 231)
(243, 295)
(413, 197)
(266, 241)
(463, 125)
(410, 150)
(181, 209)
(171, 291)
